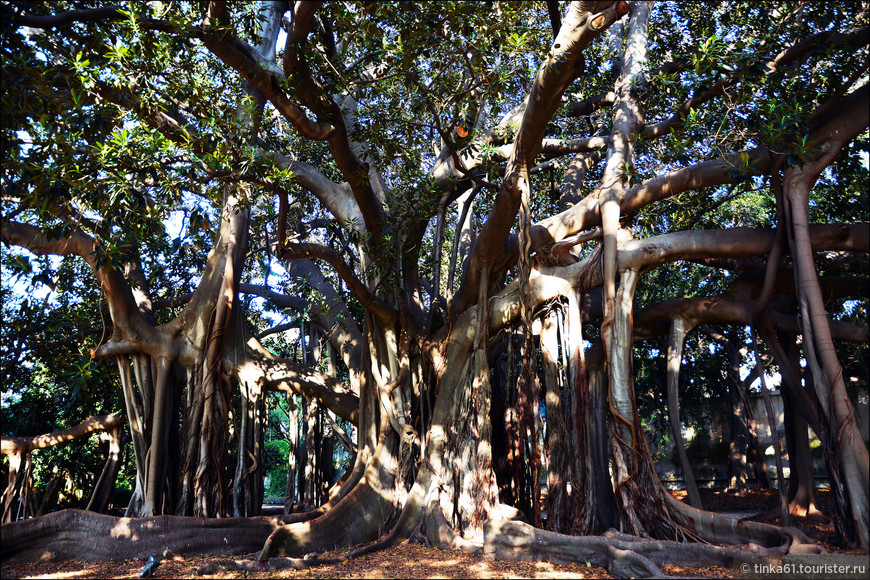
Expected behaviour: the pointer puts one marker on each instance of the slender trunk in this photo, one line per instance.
(18, 500)
(326, 467)
(679, 329)
(778, 447)
(739, 441)
(248, 477)
(754, 454)
(290, 492)
(463, 239)
(309, 495)
(601, 509)
(801, 486)
(15, 497)
(105, 485)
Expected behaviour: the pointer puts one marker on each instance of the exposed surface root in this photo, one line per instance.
(758, 537)
(270, 565)
(514, 540)
(438, 531)
(87, 536)
(623, 555)
(355, 519)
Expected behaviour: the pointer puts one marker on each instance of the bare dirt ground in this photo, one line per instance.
(414, 561)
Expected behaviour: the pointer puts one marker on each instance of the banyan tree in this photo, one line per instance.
(470, 213)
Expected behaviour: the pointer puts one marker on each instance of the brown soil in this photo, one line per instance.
(402, 561)
(414, 561)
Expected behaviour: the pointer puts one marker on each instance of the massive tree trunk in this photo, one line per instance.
(423, 399)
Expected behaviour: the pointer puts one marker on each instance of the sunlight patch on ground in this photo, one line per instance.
(551, 571)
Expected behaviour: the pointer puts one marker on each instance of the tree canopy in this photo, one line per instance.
(460, 239)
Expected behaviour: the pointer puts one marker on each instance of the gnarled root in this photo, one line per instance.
(355, 519)
(515, 540)
(439, 533)
(758, 537)
(271, 565)
(811, 512)
(623, 555)
(92, 537)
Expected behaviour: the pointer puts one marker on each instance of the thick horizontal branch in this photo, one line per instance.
(298, 380)
(646, 254)
(555, 147)
(9, 445)
(337, 197)
(172, 302)
(67, 17)
(275, 298)
(119, 296)
(833, 38)
(727, 309)
(584, 215)
(278, 328)
(164, 118)
(589, 106)
(552, 283)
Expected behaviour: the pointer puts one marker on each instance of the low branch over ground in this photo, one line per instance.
(9, 445)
